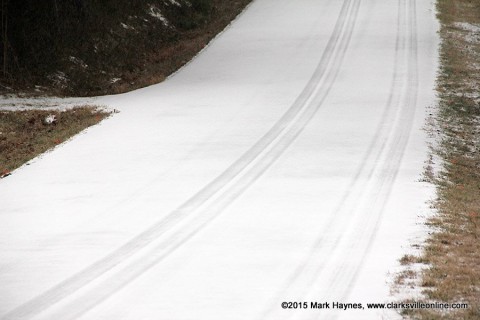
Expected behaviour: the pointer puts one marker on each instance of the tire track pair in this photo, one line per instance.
(378, 168)
(381, 189)
(371, 213)
(86, 289)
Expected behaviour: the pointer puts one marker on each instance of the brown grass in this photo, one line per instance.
(26, 134)
(453, 251)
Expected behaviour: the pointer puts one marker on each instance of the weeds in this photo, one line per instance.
(452, 253)
(26, 134)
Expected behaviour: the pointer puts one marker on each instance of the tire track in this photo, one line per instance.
(368, 195)
(71, 295)
(364, 236)
(351, 249)
(309, 271)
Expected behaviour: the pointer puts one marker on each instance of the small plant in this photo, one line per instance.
(407, 259)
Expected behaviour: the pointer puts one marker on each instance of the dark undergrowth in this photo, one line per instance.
(88, 47)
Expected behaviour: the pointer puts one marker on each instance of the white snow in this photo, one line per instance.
(472, 32)
(156, 13)
(15, 102)
(78, 61)
(51, 118)
(126, 26)
(468, 27)
(113, 80)
(282, 164)
(174, 2)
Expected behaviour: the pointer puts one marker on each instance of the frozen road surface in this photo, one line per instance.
(282, 164)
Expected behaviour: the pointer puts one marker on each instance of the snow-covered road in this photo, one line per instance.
(281, 164)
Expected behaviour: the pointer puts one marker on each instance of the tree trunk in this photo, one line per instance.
(5, 34)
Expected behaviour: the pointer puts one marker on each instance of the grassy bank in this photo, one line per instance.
(452, 253)
(87, 48)
(25, 134)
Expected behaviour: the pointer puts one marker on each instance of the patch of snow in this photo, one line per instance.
(78, 61)
(50, 119)
(15, 103)
(473, 31)
(39, 88)
(175, 3)
(469, 95)
(114, 80)
(156, 13)
(59, 79)
(411, 286)
(126, 26)
(468, 27)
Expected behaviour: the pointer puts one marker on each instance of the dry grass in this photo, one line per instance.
(26, 134)
(453, 251)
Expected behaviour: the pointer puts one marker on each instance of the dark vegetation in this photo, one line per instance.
(92, 47)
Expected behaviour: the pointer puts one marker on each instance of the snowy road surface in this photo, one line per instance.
(282, 164)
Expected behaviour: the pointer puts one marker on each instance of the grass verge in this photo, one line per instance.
(26, 134)
(452, 253)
